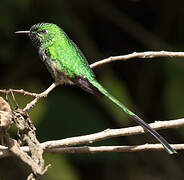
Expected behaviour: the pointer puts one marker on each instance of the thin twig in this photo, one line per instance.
(148, 54)
(18, 91)
(36, 95)
(43, 94)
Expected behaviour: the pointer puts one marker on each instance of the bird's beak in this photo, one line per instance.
(22, 32)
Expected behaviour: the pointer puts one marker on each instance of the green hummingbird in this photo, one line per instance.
(67, 64)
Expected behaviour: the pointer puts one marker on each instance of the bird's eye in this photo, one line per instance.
(43, 31)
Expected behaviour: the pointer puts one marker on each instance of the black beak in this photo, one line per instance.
(22, 32)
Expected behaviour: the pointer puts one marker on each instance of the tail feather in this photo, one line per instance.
(157, 136)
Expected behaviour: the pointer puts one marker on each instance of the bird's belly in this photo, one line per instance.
(56, 73)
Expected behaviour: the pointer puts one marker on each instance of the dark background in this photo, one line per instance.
(153, 88)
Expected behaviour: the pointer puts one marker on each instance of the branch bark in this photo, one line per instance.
(57, 146)
(136, 148)
(148, 54)
(39, 96)
(111, 133)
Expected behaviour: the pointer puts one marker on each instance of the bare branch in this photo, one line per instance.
(18, 91)
(90, 149)
(43, 94)
(37, 96)
(57, 145)
(148, 54)
(26, 129)
(110, 133)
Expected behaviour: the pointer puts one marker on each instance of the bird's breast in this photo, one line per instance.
(56, 72)
(54, 69)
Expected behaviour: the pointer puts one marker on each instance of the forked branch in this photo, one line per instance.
(36, 162)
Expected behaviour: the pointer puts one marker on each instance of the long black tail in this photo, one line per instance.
(165, 144)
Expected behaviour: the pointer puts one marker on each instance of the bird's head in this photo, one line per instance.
(43, 34)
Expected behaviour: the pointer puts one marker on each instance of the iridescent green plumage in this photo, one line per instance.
(67, 64)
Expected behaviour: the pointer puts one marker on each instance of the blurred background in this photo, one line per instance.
(153, 88)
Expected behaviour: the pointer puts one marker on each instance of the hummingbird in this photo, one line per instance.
(68, 65)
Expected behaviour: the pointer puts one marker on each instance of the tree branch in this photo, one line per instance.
(57, 145)
(36, 149)
(111, 133)
(43, 94)
(148, 54)
(90, 149)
